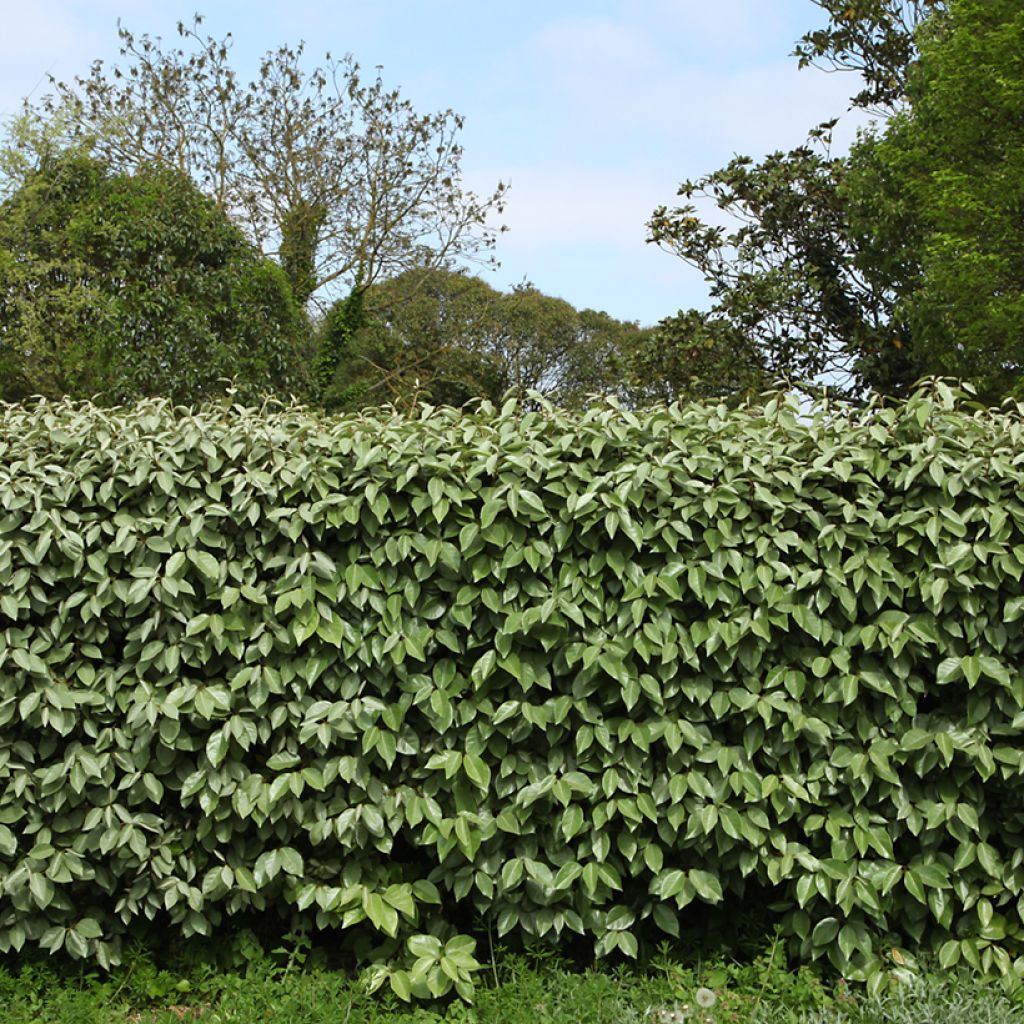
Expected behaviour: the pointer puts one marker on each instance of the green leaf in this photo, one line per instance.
(41, 888)
(572, 820)
(401, 985)
(478, 772)
(669, 883)
(707, 885)
(76, 944)
(381, 916)
(425, 947)
(971, 668)
(89, 928)
(949, 954)
(206, 564)
(8, 842)
(484, 667)
(291, 861)
(217, 747)
(665, 918)
(567, 874)
(825, 932)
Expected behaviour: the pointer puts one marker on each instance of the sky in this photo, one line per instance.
(592, 112)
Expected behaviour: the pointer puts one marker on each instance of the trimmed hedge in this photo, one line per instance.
(575, 672)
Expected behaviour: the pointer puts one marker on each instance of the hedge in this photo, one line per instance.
(569, 673)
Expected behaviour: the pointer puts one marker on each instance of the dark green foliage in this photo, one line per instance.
(690, 356)
(793, 297)
(301, 225)
(446, 338)
(420, 339)
(548, 673)
(290, 987)
(124, 286)
(938, 199)
(798, 290)
(340, 325)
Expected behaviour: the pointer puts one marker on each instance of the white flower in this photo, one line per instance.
(705, 998)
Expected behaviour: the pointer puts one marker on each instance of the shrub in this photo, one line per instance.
(568, 673)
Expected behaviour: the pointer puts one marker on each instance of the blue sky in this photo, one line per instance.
(593, 111)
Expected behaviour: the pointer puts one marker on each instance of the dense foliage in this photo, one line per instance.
(789, 297)
(863, 272)
(573, 673)
(124, 286)
(447, 337)
(938, 196)
(237, 983)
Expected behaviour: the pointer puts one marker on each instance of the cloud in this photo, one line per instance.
(551, 202)
(611, 120)
(583, 44)
(611, 82)
(571, 221)
(724, 31)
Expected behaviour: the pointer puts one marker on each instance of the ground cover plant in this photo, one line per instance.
(520, 674)
(293, 986)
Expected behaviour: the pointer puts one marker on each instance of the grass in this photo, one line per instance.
(292, 987)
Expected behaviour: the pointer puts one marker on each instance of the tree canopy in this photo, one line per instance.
(793, 295)
(339, 178)
(874, 39)
(120, 286)
(937, 199)
(447, 337)
(168, 225)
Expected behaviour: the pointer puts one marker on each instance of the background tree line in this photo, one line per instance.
(167, 227)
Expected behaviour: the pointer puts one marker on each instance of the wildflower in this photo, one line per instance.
(705, 998)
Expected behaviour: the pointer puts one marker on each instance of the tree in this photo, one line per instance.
(447, 337)
(872, 38)
(121, 286)
(785, 277)
(938, 198)
(792, 297)
(688, 357)
(421, 336)
(339, 179)
(546, 345)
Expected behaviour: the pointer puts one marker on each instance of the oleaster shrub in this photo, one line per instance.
(565, 673)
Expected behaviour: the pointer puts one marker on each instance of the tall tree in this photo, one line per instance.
(120, 286)
(788, 277)
(337, 177)
(785, 276)
(688, 357)
(421, 336)
(938, 198)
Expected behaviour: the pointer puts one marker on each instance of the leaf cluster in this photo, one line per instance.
(872, 38)
(937, 198)
(793, 295)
